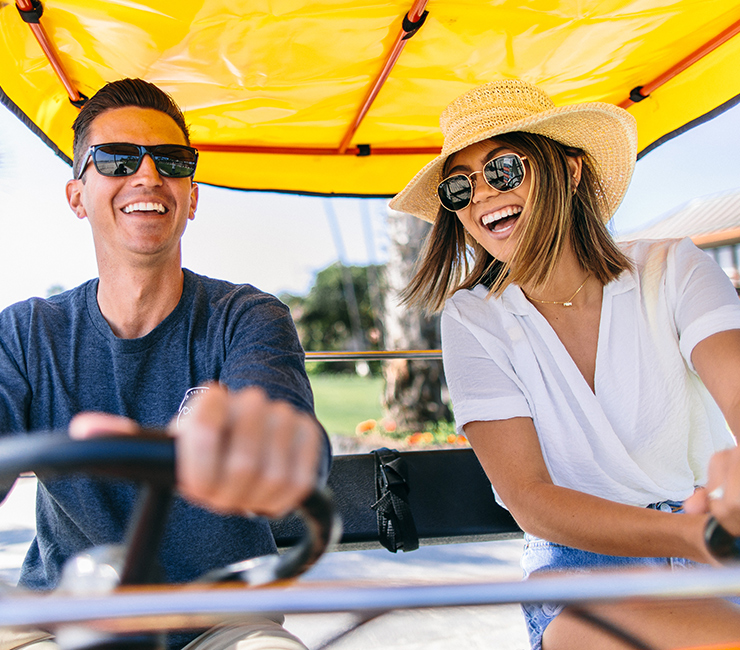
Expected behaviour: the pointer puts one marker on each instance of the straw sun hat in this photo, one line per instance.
(606, 132)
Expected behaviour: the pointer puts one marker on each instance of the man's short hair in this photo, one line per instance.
(121, 94)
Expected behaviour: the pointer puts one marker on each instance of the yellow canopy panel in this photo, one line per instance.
(279, 94)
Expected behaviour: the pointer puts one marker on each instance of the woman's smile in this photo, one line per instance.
(492, 216)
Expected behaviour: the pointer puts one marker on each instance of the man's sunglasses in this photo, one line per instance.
(124, 159)
(503, 173)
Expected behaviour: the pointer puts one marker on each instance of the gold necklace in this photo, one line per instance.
(567, 303)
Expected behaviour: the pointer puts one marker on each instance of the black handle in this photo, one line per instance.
(722, 544)
(150, 458)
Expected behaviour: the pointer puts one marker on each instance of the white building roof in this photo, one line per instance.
(709, 221)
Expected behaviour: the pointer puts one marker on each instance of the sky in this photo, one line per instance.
(279, 242)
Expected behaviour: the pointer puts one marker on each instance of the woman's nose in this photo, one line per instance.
(481, 189)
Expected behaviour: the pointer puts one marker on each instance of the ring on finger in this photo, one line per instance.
(717, 493)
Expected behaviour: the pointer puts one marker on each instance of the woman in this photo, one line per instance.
(575, 366)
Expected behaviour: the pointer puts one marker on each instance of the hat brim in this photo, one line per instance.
(607, 133)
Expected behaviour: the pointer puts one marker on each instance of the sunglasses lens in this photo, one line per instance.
(175, 161)
(504, 173)
(116, 159)
(455, 192)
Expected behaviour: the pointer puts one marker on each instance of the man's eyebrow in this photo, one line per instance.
(484, 159)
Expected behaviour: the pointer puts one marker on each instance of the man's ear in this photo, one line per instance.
(194, 191)
(74, 197)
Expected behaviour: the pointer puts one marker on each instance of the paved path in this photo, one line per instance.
(469, 628)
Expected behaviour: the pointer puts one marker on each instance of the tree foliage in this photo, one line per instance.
(323, 317)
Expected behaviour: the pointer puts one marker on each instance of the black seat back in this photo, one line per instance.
(449, 496)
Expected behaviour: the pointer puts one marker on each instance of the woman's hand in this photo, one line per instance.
(721, 497)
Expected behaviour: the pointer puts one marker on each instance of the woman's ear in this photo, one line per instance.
(575, 165)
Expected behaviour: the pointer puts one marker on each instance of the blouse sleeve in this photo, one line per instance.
(481, 379)
(706, 302)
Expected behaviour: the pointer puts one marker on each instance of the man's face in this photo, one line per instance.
(138, 218)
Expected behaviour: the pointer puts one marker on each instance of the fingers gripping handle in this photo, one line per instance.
(150, 459)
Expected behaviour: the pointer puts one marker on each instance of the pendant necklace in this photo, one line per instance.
(566, 303)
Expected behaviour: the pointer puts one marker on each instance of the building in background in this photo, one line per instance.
(713, 223)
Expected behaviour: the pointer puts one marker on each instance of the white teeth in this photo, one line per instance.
(144, 207)
(508, 211)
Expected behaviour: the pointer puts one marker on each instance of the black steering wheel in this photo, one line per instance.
(149, 459)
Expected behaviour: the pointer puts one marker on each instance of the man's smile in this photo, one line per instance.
(142, 206)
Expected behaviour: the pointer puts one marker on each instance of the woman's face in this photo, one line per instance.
(492, 218)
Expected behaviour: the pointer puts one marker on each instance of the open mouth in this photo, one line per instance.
(146, 207)
(502, 219)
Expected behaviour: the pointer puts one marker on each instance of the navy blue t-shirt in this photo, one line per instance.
(59, 357)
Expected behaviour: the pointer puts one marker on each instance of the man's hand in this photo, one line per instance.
(245, 453)
(721, 497)
(237, 453)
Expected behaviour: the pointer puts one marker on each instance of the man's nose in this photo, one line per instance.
(147, 172)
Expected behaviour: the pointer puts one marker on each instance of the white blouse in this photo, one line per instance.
(648, 430)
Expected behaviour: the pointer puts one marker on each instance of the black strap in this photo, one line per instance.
(396, 527)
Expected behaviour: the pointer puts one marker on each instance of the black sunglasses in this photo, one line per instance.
(124, 159)
(503, 173)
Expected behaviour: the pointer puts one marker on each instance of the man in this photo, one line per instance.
(150, 343)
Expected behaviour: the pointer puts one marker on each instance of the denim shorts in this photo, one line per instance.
(541, 556)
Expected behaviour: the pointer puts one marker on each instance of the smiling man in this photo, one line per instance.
(151, 344)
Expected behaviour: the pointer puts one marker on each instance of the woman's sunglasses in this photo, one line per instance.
(124, 159)
(503, 173)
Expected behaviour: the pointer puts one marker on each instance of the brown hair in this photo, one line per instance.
(121, 94)
(451, 260)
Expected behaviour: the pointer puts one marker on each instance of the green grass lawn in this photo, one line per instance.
(344, 400)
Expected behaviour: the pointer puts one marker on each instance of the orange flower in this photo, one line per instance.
(451, 438)
(389, 424)
(364, 427)
(427, 437)
(415, 438)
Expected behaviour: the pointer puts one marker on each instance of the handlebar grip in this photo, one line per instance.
(150, 458)
(147, 457)
(722, 544)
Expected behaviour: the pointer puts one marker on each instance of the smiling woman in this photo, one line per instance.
(572, 362)
(578, 176)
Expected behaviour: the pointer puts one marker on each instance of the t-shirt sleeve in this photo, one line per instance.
(263, 350)
(482, 382)
(15, 391)
(706, 301)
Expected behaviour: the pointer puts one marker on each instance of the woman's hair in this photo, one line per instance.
(452, 260)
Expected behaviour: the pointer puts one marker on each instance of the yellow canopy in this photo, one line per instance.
(276, 75)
